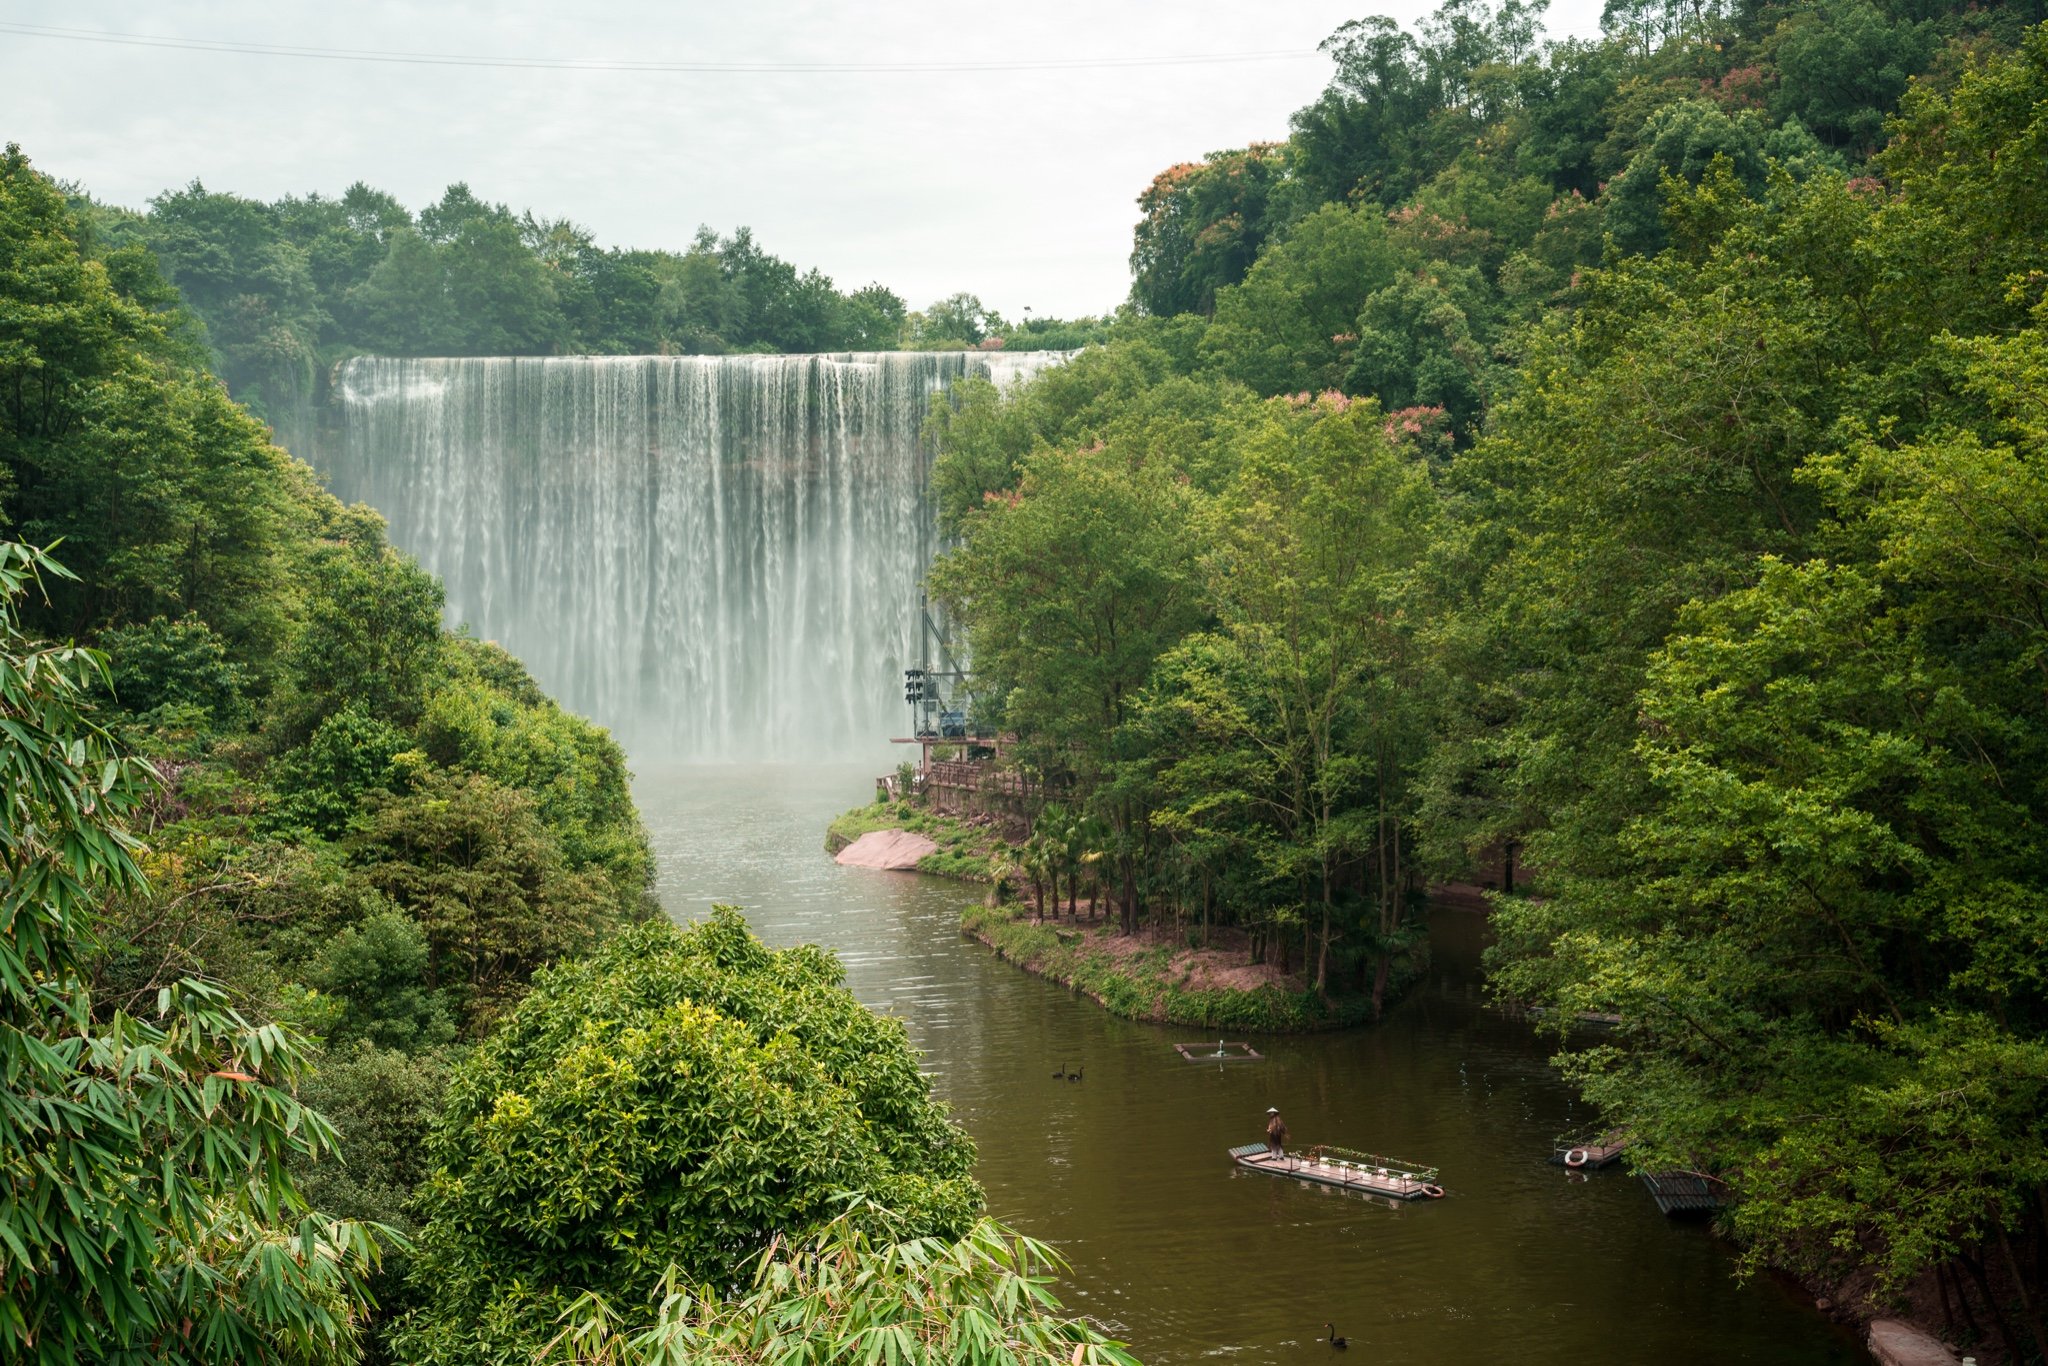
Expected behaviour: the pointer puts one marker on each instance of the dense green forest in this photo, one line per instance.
(328, 958)
(1625, 454)
(278, 293)
(1624, 457)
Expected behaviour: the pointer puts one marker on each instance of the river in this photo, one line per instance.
(1124, 1171)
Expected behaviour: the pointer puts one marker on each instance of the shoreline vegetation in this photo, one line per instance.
(1161, 974)
(1157, 977)
(968, 851)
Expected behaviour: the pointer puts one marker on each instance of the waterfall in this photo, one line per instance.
(716, 556)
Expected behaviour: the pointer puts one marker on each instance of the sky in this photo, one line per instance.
(1015, 184)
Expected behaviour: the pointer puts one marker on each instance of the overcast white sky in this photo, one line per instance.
(1017, 185)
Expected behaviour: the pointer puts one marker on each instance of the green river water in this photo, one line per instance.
(1125, 1171)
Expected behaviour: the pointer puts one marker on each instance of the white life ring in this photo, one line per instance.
(1433, 1192)
(1577, 1157)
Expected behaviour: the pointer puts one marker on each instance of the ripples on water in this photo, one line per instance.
(1125, 1171)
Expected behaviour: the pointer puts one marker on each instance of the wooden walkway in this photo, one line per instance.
(1393, 1183)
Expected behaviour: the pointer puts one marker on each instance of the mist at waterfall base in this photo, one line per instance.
(717, 557)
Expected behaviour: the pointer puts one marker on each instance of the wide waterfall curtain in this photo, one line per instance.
(718, 557)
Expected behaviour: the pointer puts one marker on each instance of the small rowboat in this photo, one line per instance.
(1391, 1177)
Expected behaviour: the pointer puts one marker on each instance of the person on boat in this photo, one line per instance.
(1276, 1132)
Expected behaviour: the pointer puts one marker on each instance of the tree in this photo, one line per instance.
(1357, 138)
(145, 1205)
(1202, 225)
(1071, 588)
(499, 294)
(1303, 703)
(1801, 855)
(182, 663)
(373, 626)
(231, 261)
(957, 320)
(677, 1100)
(1418, 347)
(1843, 64)
(1289, 327)
(377, 972)
(472, 863)
(169, 498)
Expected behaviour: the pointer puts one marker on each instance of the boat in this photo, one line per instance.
(1376, 1174)
(1683, 1194)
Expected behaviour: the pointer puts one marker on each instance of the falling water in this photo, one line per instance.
(718, 557)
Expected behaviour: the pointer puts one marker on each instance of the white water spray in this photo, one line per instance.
(716, 556)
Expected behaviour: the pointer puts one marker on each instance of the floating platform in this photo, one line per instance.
(1384, 1176)
(1224, 1051)
(1682, 1194)
(1592, 1151)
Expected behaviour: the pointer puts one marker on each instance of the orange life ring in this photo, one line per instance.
(1577, 1157)
(1433, 1192)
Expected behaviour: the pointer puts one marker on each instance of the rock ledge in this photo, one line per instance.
(891, 850)
(1896, 1343)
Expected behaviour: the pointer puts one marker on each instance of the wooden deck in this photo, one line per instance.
(1594, 1151)
(1393, 1183)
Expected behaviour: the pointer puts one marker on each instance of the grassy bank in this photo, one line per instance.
(1148, 976)
(966, 851)
(1153, 977)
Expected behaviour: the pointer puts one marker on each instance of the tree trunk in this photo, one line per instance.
(1323, 950)
(1998, 1317)
(1948, 1313)
(2019, 1285)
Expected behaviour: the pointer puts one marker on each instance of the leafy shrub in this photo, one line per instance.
(978, 1301)
(323, 782)
(472, 862)
(676, 1100)
(182, 663)
(378, 969)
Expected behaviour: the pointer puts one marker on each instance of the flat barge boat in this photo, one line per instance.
(1372, 1173)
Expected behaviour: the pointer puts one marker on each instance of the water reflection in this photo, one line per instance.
(1125, 1170)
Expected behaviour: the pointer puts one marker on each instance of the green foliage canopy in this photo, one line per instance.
(676, 1100)
(146, 1209)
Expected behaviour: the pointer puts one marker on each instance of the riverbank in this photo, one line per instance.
(1157, 977)
(1153, 975)
(969, 849)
